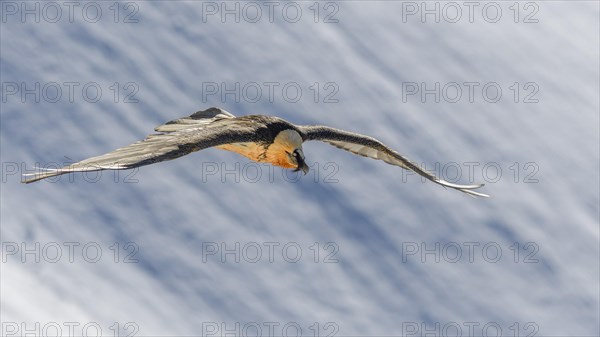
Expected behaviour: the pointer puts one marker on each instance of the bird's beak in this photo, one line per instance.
(305, 168)
(302, 166)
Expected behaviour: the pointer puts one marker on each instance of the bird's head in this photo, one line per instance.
(286, 151)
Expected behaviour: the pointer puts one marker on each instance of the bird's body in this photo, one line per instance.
(271, 151)
(257, 137)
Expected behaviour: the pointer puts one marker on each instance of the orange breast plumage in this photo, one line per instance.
(253, 151)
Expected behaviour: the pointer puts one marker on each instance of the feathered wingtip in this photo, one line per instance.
(29, 178)
(475, 194)
(467, 189)
(77, 167)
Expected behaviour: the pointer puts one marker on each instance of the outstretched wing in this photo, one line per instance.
(370, 147)
(199, 131)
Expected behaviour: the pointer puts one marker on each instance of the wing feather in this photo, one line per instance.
(197, 119)
(370, 147)
(178, 140)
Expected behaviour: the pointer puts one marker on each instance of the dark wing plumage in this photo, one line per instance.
(199, 131)
(370, 147)
(195, 120)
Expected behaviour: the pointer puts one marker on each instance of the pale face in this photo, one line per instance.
(286, 151)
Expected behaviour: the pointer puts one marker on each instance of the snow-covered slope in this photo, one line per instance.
(369, 234)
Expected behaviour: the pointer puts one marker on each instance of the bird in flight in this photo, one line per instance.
(257, 137)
